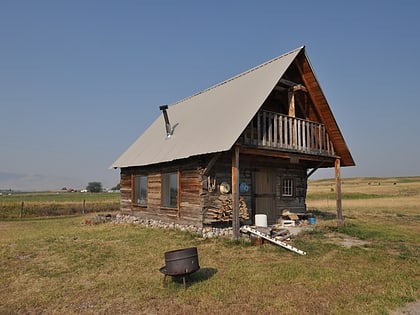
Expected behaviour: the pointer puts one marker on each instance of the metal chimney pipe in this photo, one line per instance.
(164, 108)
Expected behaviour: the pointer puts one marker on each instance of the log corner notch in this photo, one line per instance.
(340, 219)
(235, 193)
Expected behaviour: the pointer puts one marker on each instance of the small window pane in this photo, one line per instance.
(287, 189)
(170, 190)
(140, 190)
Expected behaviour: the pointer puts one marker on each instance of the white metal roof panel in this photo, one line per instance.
(209, 121)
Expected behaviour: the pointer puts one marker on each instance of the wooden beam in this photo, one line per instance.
(235, 193)
(179, 194)
(299, 87)
(340, 219)
(211, 163)
(311, 172)
(314, 169)
(310, 85)
(325, 161)
(322, 110)
(292, 104)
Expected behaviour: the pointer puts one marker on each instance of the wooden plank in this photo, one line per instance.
(275, 131)
(269, 128)
(252, 132)
(320, 136)
(259, 153)
(338, 192)
(211, 163)
(298, 134)
(281, 131)
(259, 128)
(322, 110)
(273, 240)
(292, 112)
(235, 193)
(264, 130)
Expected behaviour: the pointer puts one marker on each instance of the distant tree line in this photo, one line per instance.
(117, 187)
(96, 187)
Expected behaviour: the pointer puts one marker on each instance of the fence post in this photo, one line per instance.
(340, 218)
(22, 204)
(84, 206)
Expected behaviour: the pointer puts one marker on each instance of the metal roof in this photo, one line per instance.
(210, 121)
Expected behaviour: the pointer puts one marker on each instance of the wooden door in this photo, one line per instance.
(265, 194)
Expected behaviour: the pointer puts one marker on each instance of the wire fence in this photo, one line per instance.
(30, 209)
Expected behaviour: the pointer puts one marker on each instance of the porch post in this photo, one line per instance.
(340, 219)
(292, 103)
(235, 193)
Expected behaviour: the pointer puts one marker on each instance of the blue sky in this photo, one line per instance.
(81, 80)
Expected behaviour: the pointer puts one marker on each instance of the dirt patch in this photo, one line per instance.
(412, 308)
(345, 240)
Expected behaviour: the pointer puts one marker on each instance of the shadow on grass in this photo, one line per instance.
(325, 215)
(203, 274)
(200, 275)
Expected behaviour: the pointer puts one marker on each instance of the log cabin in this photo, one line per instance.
(243, 147)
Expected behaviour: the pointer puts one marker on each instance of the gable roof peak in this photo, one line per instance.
(242, 74)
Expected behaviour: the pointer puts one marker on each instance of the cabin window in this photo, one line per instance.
(170, 190)
(288, 187)
(140, 190)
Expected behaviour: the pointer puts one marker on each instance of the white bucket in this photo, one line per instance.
(261, 220)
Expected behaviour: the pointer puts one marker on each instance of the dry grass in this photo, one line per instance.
(61, 266)
(32, 205)
(395, 196)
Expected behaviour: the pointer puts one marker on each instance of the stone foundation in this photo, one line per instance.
(205, 232)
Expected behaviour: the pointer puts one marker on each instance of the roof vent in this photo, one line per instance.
(169, 130)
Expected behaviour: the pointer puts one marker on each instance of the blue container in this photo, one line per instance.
(312, 220)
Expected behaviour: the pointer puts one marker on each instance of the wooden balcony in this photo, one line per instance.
(274, 131)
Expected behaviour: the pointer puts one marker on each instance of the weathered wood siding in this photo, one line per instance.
(125, 190)
(190, 196)
(221, 172)
(189, 191)
(249, 166)
(296, 203)
(196, 196)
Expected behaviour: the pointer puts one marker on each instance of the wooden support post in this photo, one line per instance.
(22, 209)
(311, 172)
(340, 219)
(210, 165)
(235, 193)
(292, 104)
(178, 200)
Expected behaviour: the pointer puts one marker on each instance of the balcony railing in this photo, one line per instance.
(280, 132)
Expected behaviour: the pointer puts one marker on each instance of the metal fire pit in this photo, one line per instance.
(180, 262)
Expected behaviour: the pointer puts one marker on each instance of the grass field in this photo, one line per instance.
(61, 266)
(31, 205)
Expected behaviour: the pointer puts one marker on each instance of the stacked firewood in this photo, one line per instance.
(221, 210)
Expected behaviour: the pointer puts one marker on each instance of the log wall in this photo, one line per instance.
(199, 198)
(189, 194)
(297, 203)
(248, 165)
